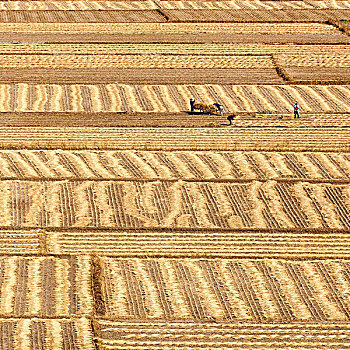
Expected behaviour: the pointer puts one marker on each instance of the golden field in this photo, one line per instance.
(130, 222)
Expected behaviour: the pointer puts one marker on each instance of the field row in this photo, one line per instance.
(175, 15)
(171, 98)
(154, 204)
(173, 28)
(163, 4)
(37, 286)
(258, 290)
(209, 335)
(46, 334)
(172, 120)
(174, 60)
(187, 165)
(329, 243)
(77, 334)
(182, 243)
(148, 61)
(209, 49)
(330, 139)
(192, 289)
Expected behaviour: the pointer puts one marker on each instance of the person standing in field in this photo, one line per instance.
(296, 110)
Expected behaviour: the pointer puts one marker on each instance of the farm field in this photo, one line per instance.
(130, 221)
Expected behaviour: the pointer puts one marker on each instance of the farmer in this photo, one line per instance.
(192, 104)
(230, 118)
(219, 107)
(296, 110)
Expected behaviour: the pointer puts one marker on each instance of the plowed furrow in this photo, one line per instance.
(104, 164)
(115, 199)
(284, 308)
(19, 306)
(31, 164)
(87, 164)
(128, 164)
(12, 165)
(237, 198)
(217, 288)
(94, 210)
(135, 291)
(235, 170)
(294, 165)
(338, 166)
(268, 216)
(157, 278)
(335, 196)
(246, 290)
(291, 206)
(210, 163)
(305, 291)
(193, 169)
(187, 207)
(67, 205)
(254, 166)
(212, 207)
(315, 161)
(67, 164)
(332, 287)
(316, 205)
(169, 164)
(189, 289)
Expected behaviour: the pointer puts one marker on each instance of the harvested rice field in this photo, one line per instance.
(133, 217)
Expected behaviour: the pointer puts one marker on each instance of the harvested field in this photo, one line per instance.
(284, 52)
(43, 333)
(45, 287)
(77, 5)
(182, 165)
(136, 61)
(318, 74)
(164, 76)
(171, 28)
(325, 244)
(250, 15)
(170, 120)
(21, 242)
(130, 220)
(90, 98)
(121, 334)
(313, 38)
(183, 15)
(164, 4)
(330, 139)
(245, 289)
(176, 204)
(77, 16)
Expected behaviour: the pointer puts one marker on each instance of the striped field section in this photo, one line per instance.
(171, 98)
(45, 286)
(133, 61)
(174, 28)
(186, 165)
(159, 335)
(226, 289)
(46, 334)
(179, 204)
(330, 139)
(21, 242)
(149, 5)
(328, 244)
(207, 49)
(75, 5)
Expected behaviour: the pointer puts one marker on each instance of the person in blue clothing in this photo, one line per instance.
(296, 110)
(219, 107)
